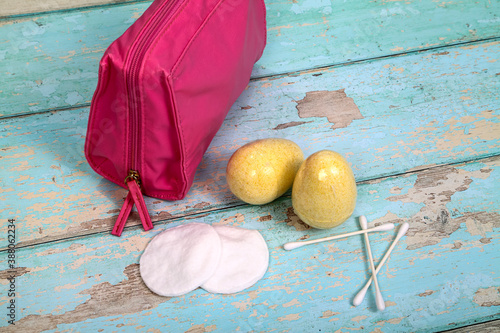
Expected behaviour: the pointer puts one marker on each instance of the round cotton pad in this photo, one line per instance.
(244, 260)
(180, 259)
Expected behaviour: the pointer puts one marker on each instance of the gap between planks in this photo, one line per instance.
(297, 73)
(346, 63)
(369, 39)
(93, 274)
(486, 327)
(435, 132)
(13, 9)
(199, 214)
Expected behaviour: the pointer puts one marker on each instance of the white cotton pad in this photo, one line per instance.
(244, 260)
(180, 259)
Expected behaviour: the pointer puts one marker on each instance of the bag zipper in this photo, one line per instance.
(134, 63)
(135, 60)
(134, 197)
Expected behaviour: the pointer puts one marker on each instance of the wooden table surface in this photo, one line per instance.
(408, 91)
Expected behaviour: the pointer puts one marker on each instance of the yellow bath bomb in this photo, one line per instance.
(263, 170)
(324, 191)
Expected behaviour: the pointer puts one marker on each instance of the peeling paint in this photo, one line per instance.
(105, 300)
(359, 318)
(434, 222)
(294, 221)
(236, 220)
(290, 124)
(293, 302)
(15, 272)
(339, 109)
(202, 328)
(426, 293)
(487, 297)
(265, 218)
(289, 317)
(79, 278)
(329, 313)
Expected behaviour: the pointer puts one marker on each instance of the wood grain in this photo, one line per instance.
(20, 8)
(50, 61)
(93, 282)
(488, 327)
(406, 90)
(417, 111)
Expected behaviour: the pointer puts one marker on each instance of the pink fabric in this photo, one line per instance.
(134, 197)
(197, 59)
(123, 216)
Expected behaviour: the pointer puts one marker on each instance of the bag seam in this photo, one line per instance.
(165, 30)
(178, 120)
(264, 9)
(205, 22)
(150, 50)
(178, 123)
(195, 36)
(92, 116)
(169, 81)
(174, 68)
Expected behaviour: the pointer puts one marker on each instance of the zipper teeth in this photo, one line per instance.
(138, 53)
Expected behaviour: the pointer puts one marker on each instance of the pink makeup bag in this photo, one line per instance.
(164, 89)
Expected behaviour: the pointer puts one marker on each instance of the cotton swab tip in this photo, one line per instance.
(292, 245)
(380, 301)
(360, 296)
(362, 222)
(403, 229)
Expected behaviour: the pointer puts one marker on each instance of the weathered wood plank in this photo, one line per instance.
(93, 282)
(489, 327)
(19, 8)
(50, 61)
(415, 111)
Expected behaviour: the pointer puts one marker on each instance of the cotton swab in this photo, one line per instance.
(294, 245)
(378, 295)
(361, 294)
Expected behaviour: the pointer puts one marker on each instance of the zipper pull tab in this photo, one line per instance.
(124, 214)
(136, 193)
(134, 197)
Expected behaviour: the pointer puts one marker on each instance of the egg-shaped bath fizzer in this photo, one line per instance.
(263, 170)
(324, 191)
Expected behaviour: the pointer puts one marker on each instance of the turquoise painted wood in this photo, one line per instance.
(406, 90)
(416, 110)
(443, 274)
(49, 61)
(13, 8)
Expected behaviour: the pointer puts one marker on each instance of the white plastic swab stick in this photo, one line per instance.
(378, 295)
(294, 245)
(361, 294)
